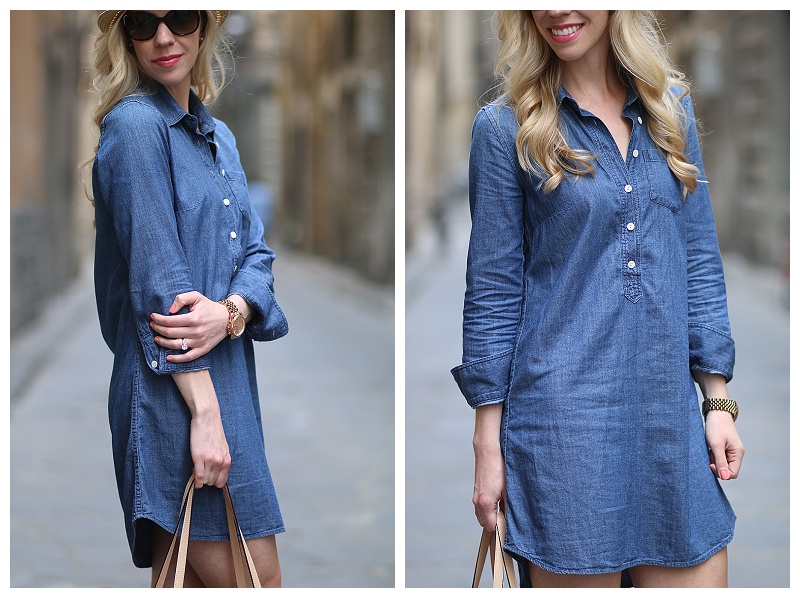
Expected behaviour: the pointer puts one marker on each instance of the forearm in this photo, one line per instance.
(487, 428)
(711, 385)
(197, 389)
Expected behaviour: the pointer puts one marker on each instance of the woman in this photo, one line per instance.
(595, 299)
(184, 285)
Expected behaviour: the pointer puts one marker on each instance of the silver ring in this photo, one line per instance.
(183, 344)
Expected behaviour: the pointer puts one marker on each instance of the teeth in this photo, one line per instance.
(567, 31)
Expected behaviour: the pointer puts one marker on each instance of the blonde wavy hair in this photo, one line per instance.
(530, 75)
(117, 73)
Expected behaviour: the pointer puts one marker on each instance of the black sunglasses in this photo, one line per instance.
(141, 26)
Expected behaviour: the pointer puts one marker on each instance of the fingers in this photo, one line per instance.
(719, 463)
(199, 474)
(486, 518)
(185, 300)
(212, 473)
(486, 505)
(725, 449)
(726, 460)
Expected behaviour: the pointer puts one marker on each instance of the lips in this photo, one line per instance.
(565, 32)
(168, 61)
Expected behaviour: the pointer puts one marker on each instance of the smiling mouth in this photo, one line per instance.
(565, 31)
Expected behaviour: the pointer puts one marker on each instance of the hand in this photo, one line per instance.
(725, 448)
(490, 485)
(202, 328)
(209, 450)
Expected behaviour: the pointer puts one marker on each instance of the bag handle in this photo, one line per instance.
(492, 544)
(237, 542)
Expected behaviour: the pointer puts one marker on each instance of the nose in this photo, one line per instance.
(163, 36)
(557, 13)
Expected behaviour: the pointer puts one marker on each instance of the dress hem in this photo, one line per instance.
(144, 561)
(522, 558)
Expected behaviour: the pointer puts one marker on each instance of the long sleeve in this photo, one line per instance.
(494, 281)
(253, 279)
(133, 189)
(711, 348)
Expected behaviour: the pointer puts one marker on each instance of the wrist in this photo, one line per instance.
(713, 404)
(242, 305)
(236, 320)
(486, 445)
(205, 410)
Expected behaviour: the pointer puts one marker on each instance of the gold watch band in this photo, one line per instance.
(236, 322)
(717, 404)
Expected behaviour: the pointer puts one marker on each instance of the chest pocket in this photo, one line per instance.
(665, 188)
(238, 185)
(190, 192)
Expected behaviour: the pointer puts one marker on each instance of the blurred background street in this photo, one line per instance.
(738, 65)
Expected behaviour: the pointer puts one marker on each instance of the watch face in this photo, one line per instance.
(237, 326)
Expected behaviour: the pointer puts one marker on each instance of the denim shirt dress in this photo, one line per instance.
(173, 215)
(586, 311)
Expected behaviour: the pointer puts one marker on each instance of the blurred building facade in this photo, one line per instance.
(48, 116)
(737, 62)
(311, 104)
(449, 63)
(319, 86)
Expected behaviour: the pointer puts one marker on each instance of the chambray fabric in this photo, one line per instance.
(586, 311)
(173, 215)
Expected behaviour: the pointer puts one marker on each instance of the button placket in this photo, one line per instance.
(631, 269)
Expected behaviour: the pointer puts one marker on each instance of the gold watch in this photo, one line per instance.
(236, 321)
(716, 404)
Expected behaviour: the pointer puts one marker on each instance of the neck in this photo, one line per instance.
(594, 75)
(180, 94)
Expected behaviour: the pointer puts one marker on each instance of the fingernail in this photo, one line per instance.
(724, 474)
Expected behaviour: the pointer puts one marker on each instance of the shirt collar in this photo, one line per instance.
(173, 113)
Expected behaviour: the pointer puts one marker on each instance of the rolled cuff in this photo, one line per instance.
(269, 322)
(484, 381)
(711, 350)
(156, 356)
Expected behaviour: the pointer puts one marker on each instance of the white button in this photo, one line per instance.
(631, 264)
(639, 118)
(154, 363)
(628, 188)
(223, 170)
(233, 234)
(635, 153)
(226, 201)
(234, 268)
(631, 226)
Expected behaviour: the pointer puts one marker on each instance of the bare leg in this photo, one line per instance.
(209, 564)
(161, 542)
(540, 578)
(213, 562)
(711, 573)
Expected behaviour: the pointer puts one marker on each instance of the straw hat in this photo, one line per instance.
(107, 18)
